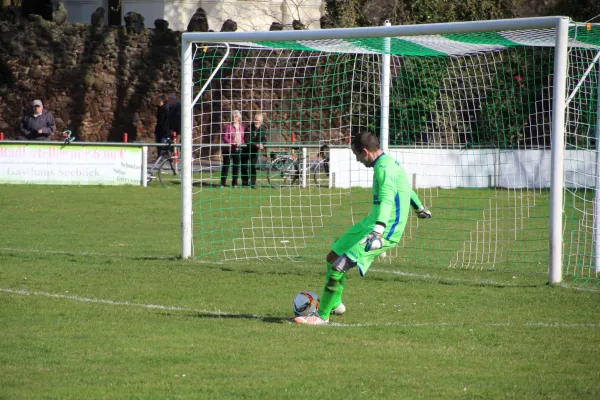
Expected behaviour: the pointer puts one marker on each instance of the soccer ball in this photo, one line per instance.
(305, 303)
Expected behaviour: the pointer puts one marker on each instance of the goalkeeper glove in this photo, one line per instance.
(374, 240)
(423, 213)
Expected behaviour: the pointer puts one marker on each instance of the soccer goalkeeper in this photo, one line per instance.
(380, 231)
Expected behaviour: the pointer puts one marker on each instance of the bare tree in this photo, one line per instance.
(349, 13)
(258, 10)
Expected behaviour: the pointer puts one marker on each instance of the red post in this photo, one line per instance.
(125, 137)
(175, 152)
(293, 138)
(1, 135)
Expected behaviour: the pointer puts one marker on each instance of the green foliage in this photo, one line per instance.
(507, 107)
(578, 10)
(486, 99)
(351, 13)
(415, 90)
(418, 106)
(343, 13)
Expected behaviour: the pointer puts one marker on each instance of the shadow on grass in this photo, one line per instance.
(207, 184)
(212, 185)
(34, 253)
(374, 274)
(270, 320)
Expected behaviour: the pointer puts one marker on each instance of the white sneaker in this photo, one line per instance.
(339, 310)
(312, 319)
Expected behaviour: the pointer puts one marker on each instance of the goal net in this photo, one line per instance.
(469, 112)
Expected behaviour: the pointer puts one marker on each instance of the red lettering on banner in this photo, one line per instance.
(12, 151)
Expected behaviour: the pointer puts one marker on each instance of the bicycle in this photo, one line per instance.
(166, 167)
(286, 170)
(68, 137)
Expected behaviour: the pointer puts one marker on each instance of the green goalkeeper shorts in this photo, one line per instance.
(348, 244)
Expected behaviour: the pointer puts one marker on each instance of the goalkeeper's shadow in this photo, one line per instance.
(271, 320)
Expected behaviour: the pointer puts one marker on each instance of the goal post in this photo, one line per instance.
(596, 207)
(186, 147)
(476, 111)
(384, 129)
(558, 140)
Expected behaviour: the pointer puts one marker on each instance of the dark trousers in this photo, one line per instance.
(249, 161)
(160, 139)
(231, 157)
(33, 136)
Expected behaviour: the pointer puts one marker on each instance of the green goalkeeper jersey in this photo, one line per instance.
(391, 197)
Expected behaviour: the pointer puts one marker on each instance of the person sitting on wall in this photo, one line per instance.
(37, 125)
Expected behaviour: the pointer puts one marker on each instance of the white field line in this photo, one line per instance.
(440, 278)
(121, 303)
(531, 324)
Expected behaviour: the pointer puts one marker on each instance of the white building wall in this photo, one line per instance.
(80, 11)
(450, 169)
(250, 15)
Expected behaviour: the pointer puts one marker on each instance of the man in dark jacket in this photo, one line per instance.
(254, 137)
(174, 107)
(37, 125)
(161, 131)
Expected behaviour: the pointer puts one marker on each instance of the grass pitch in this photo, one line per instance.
(94, 303)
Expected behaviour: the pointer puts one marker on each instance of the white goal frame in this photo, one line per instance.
(560, 24)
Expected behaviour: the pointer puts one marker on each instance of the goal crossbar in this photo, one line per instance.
(386, 31)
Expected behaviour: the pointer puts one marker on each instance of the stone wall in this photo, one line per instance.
(103, 82)
(251, 15)
(98, 82)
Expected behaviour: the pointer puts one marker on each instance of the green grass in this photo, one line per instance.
(94, 303)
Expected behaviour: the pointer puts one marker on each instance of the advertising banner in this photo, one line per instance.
(70, 165)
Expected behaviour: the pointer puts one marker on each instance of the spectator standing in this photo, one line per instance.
(233, 137)
(254, 137)
(37, 125)
(174, 108)
(161, 131)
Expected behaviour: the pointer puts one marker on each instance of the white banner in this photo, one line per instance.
(70, 165)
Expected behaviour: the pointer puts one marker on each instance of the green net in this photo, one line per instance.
(469, 118)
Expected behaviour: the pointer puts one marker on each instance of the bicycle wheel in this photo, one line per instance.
(321, 174)
(169, 172)
(282, 172)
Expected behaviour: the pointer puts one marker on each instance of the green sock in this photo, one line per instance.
(332, 292)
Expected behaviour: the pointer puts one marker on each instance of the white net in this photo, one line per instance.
(470, 119)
